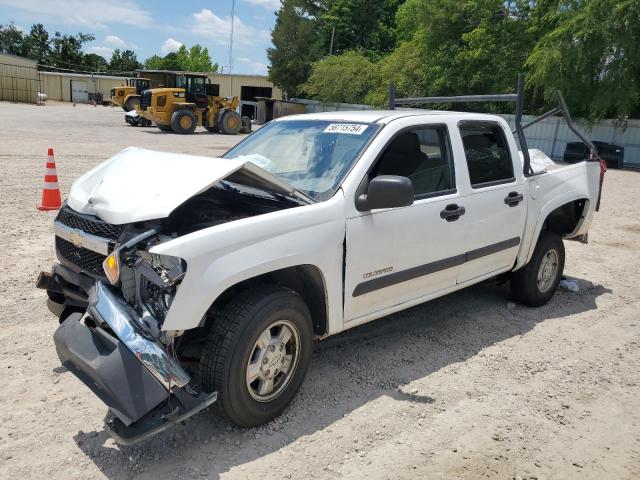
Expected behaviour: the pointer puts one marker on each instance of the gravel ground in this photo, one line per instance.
(467, 386)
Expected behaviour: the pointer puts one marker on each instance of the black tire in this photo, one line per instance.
(183, 122)
(230, 123)
(525, 286)
(231, 343)
(246, 125)
(165, 128)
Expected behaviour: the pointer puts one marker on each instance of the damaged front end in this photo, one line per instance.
(132, 372)
(112, 295)
(110, 335)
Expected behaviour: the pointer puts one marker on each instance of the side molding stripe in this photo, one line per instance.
(495, 248)
(433, 267)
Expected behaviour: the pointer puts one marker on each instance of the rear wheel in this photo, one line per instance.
(536, 282)
(257, 354)
(183, 122)
(230, 123)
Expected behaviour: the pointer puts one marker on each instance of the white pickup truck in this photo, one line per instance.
(206, 280)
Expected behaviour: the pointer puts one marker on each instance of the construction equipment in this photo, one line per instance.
(190, 104)
(128, 96)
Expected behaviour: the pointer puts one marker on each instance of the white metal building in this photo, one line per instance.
(81, 88)
(19, 80)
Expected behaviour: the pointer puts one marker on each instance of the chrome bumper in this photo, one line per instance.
(106, 307)
(127, 368)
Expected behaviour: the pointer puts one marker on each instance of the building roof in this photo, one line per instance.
(175, 72)
(83, 75)
(218, 74)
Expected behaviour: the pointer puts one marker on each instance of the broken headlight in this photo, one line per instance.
(156, 278)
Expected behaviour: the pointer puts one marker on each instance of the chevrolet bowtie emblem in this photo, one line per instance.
(75, 238)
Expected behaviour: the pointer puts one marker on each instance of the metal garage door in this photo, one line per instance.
(79, 91)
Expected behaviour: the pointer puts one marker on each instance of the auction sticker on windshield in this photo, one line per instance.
(350, 128)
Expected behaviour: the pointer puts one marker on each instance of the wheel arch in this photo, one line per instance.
(563, 217)
(307, 280)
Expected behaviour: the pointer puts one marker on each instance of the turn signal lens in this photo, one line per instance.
(111, 267)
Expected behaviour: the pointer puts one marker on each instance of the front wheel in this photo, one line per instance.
(257, 354)
(230, 123)
(183, 122)
(536, 282)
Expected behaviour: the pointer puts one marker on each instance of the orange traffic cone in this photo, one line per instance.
(51, 199)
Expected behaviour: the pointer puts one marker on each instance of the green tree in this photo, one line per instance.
(37, 44)
(342, 78)
(367, 25)
(592, 54)
(66, 50)
(194, 59)
(154, 62)
(297, 43)
(451, 47)
(95, 63)
(303, 31)
(11, 39)
(125, 61)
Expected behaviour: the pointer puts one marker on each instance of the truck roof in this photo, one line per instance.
(386, 116)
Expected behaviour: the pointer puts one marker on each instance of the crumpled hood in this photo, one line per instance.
(138, 184)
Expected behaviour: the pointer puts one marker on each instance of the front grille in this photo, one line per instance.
(89, 224)
(145, 99)
(86, 260)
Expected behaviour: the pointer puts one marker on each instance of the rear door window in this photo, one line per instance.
(487, 153)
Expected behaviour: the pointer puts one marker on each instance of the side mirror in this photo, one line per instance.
(386, 191)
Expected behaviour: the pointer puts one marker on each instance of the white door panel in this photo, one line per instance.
(495, 230)
(494, 227)
(396, 255)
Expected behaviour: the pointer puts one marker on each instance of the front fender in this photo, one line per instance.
(222, 256)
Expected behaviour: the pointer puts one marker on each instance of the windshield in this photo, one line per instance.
(190, 83)
(311, 155)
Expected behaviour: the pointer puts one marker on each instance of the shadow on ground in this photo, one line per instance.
(347, 371)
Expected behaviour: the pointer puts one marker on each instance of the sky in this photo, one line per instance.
(158, 27)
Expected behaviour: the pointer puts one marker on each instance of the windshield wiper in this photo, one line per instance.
(290, 198)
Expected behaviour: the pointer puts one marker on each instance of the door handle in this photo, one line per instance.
(452, 212)
(513, 199)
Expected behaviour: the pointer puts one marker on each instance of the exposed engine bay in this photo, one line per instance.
(149, 282)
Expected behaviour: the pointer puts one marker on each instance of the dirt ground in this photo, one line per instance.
(467, 386)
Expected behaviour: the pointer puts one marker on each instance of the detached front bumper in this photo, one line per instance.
(111, 353)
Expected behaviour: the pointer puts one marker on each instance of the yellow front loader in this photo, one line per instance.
(128, 96)
(189, 105)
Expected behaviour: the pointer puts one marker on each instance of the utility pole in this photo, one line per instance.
(333, 32)
(233, 15)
